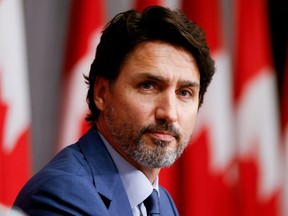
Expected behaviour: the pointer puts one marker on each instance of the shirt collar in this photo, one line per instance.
(136, 184)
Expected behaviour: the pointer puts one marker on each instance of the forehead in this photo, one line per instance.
(163, 59)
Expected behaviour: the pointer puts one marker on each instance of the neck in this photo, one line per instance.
(150, 173)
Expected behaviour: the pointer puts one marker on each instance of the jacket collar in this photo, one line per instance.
(106, 178)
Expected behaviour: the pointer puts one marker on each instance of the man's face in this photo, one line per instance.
(148, 113)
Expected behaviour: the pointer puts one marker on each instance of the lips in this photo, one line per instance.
(162, 132)
(162, 135)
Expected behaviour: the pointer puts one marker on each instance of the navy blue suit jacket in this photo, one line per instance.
(81, 180)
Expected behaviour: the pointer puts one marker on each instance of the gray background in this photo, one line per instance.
(46, 27)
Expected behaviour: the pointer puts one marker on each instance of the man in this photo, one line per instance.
(146, 84)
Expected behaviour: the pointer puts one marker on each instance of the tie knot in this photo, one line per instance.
(152, 204)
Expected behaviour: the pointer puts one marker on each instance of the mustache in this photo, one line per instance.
(162, 127)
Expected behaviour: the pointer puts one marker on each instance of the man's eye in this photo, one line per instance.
(185, 93)
(146, 85)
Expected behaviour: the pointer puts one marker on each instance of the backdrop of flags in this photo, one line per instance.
(233, 164)
(85, 24)
(284, 106)
(256, 108)
(15, 122)
(209, 171)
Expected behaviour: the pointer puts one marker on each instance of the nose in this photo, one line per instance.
(166, 108)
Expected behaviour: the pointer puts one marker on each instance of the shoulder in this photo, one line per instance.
(68, 162)
(80, 180)
(64, 186)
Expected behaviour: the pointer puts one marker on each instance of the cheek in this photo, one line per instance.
(132, 109)
(139, 113)
(188, 118)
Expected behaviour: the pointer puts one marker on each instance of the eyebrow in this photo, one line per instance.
(164, 79)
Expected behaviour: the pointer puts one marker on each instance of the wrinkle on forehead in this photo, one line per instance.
(162, 49)
(163, 60)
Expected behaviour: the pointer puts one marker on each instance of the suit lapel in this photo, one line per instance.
(167, 206)
(106, 178)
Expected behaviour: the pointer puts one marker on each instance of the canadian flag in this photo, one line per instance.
(285, 133)
(208, 170)
(86, 23)
(15, 120)
(257, 122)
(142, 4)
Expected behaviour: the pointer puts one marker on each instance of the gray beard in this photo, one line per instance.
(132, 142)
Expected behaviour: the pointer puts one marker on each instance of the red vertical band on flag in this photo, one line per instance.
(140, 5)
(194, 10)
(284, 94)
(257, 112)
(284, 106)
(15, 122)
(85, 25)
(86, 17)
(252, 42)
(208, 165)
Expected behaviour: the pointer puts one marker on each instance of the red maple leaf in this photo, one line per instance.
(15, 166)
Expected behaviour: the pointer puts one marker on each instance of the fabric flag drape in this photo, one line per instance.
(208, 166)
(257, 122)
(15, 121)
(86, 23)
(285, 133)
(142, 4)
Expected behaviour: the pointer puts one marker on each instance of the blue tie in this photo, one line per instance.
(152, 204)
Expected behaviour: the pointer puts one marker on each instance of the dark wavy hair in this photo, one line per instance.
(128, 29)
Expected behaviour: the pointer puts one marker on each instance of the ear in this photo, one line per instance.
(101, 93)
